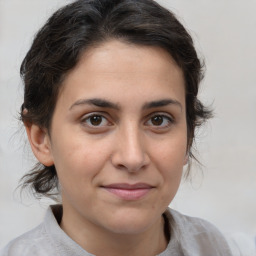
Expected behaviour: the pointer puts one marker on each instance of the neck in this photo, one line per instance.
(101, 242)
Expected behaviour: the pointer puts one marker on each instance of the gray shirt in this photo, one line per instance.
(189, 237)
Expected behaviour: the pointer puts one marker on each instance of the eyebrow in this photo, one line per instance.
(107, 104)
(162, 103)
(96, 102)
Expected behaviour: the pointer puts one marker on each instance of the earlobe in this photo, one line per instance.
(40, 144)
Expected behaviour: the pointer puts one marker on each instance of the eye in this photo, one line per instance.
(95, 120)
(160, 121)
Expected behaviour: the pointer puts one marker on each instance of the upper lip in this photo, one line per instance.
(128, 186)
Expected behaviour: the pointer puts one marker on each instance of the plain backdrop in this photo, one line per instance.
(223, 191)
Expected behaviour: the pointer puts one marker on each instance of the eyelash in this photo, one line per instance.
(89, 118)
(166, 119)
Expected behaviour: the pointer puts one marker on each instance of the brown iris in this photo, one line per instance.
(95, 120)
(157, 120)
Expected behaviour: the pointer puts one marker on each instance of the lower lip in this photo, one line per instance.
(129, 194)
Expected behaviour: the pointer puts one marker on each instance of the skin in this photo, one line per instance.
(119, 138)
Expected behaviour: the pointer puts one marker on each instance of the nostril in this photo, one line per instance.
(121, 167)
(131, 167)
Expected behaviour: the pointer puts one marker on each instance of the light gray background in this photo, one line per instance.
(225, 34)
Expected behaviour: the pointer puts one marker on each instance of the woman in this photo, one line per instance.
(110, 109)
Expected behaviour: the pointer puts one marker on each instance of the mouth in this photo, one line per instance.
(129, 192)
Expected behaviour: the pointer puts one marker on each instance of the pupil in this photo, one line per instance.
(157, 120)
(96, 120)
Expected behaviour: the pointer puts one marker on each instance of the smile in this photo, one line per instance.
(127, 191)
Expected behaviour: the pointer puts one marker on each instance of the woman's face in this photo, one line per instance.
(119, 137)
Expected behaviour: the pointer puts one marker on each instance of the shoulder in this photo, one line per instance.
(242, 244)
(197, 235)
(193, 224)
(34, 242)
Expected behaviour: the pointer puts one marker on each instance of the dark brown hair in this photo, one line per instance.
(69, 32)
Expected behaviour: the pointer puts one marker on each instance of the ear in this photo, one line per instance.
(40, 144)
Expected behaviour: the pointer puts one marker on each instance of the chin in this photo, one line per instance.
(132, 222)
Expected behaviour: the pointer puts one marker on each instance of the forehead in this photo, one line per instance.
(135, 59)
(114, 67)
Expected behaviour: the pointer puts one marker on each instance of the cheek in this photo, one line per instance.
(76, 169)
(78, 161)
(169, 160)
(171, 153)
(171, 172)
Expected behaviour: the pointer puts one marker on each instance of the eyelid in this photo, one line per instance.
(165, 115)
(91, 114)
(161, 113)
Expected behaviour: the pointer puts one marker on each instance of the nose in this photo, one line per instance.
(130, 150)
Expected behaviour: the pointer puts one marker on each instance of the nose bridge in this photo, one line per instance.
(133, 141)
(130, 153)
